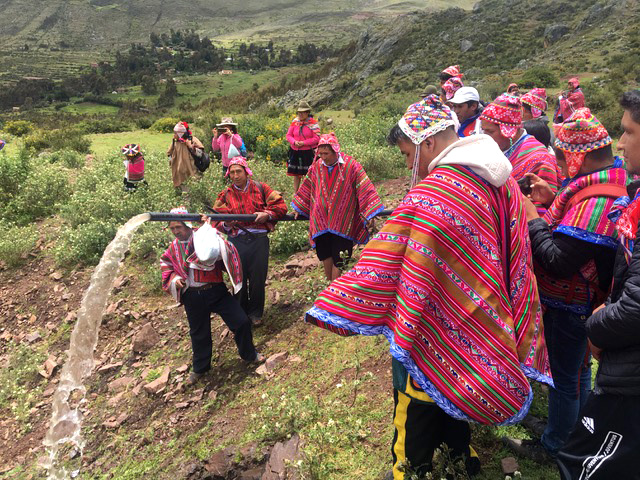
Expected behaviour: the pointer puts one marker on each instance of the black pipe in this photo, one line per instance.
(224, 217)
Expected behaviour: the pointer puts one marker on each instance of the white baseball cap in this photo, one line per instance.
(466, 94)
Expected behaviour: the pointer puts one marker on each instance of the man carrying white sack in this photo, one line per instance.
(192, 269)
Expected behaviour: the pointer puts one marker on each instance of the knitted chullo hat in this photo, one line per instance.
(454, 71)
(239, 161)
(581, 134)
(537, 100)
(451, 86)
(423, 120)
(182, 211)
(330, 140)
(506, 112)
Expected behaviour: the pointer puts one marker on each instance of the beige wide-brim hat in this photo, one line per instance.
(303, 107)
(226, 121)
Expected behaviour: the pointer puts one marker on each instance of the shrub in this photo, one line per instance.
(103, 125)
(19, 128)
(85, 243)
(16, 243)
(13, 170)
(57, 140)
(164, 124)
(290, 237)
(539, 77)
(68, 158)
(40, 195)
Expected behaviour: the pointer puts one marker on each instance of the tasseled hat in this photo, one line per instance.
(454, 71)
(506, 112)
(131, 149)
(451, 86)
(581, 134)
(330, 140)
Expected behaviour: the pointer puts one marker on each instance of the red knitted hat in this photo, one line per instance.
(537, 100)
(506, 112)
(583, 133)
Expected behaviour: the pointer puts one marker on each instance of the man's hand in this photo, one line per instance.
(180, 282)
(595, 351)
(541, 191)
(296, 214)
(206, 219)
(261, 217)
(370, 223)
(530, 209)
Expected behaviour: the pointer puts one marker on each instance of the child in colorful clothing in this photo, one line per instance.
(574, 247)
(134, 167)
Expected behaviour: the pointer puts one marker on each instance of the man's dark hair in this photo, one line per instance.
(396, 135)
(601, 154)
(631, 101)
(444, 76)
(539, 130)
(527, 108)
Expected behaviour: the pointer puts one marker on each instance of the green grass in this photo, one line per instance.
(103, 144)
(88, 108)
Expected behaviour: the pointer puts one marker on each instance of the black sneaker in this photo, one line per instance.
(531, 449)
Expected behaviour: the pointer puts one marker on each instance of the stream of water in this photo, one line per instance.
(64, 442)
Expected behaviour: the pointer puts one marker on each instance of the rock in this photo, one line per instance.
(32, 337)
(252, 474)
(32, 319)
(159, 383)
(465, 45)
(49, 391)
(281, 455)
(295, 359)
(114, 422)
(57, 276)
(48, 367)
(193, 471)
(182, 368)
(114, 401)
(182, 405)
(274, 360)
(145, 339)
(262, 370)
(404, 69)
(120, 384)
(225, 333)
(212, 395)
(509, 465)
(197, 395)
(120, 282)
(554, 33)
(490, 48)
(220, 465)
(109, 367)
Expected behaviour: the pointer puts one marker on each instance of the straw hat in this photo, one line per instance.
(226, 121)
(303, 107)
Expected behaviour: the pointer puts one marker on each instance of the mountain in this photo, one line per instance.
(100, 25)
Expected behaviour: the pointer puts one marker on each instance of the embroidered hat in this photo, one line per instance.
(451, 86)
(423, 120)
(131, 149)
(580, 135)
(181, 127)
(331, 140)
(506, 112)
(239, 161)
(537, 100)
(454, 71)
(426, 118)
(182, 211)
(512, 86)
(574, 82)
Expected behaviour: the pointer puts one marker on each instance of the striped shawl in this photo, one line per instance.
(340, 202)
(433, 281)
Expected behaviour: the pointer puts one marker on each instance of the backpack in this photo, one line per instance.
(201, 162)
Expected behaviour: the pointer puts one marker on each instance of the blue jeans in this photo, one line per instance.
(566, 340)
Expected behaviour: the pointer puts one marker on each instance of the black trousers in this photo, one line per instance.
(199, 305)
(254, 254)
(422, 427)
(605, 443)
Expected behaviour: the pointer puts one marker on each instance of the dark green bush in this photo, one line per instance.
(539, 77)
(18, 128)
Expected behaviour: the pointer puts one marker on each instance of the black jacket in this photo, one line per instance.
(616, 327)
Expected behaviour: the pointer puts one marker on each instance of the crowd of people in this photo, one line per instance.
(511, 259)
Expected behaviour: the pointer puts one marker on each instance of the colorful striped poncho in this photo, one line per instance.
(587, 221)
(339, 201)
(528, 155)
(176, 261)
(466, 326)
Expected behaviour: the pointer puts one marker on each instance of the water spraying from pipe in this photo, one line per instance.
(64, 440)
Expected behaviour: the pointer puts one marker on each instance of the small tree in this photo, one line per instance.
(149, 85)
(168, 97)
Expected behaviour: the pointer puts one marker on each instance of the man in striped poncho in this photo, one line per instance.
(340, 202)
(449, 281)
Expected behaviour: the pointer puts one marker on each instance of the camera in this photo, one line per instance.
(525, 185)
